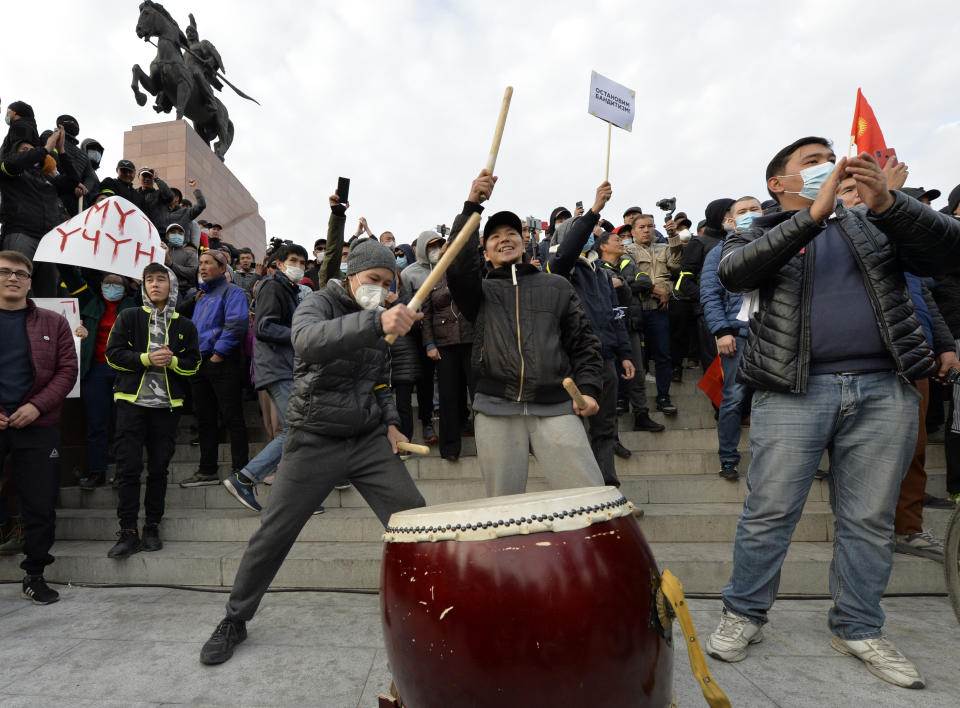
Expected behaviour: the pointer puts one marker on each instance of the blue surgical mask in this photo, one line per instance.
(627, 242)
(94, 157)
(112, 291)
(176, 240)
(401, 261)
(813, 179)
(343, 267)
(745, 220)
(589, 244)
(6, 119)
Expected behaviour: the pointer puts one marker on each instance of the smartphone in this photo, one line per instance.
(579, 205)
(343, 189)
(883, 156)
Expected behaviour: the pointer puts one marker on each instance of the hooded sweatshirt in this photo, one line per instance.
(414, 275)
(153, 392)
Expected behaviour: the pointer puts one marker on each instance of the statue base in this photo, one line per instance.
(178, 154)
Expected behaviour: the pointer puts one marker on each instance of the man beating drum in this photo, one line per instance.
(343, 424)
(530, 333)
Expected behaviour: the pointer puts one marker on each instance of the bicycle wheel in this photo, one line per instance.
(951, 561)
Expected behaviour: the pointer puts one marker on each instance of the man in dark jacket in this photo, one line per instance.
(278, 296)
(222, 318)
(342, 424)
(155, 195)
(83, 182)
(530, 332)
(154, 350)
(576, 260)
(686, 318)
(177, 213)
(39, 365)
(122, 185)
(833, 349)
(631, 285)
(29, 205)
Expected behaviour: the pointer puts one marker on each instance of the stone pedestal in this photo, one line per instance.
(177, 153)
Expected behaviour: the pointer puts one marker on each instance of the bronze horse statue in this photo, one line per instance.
(173, 83)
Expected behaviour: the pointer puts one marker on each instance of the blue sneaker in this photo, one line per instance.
(243, 489)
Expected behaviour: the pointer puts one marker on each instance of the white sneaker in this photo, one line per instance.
(733, 635)
(882, 659)
(923, 544)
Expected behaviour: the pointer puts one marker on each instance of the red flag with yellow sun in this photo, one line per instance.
(865, 132)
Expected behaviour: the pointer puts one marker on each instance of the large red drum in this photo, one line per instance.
(544, 599)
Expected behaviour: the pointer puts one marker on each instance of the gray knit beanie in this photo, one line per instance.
(367, 254)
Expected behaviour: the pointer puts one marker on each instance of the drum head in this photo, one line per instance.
(494, 517)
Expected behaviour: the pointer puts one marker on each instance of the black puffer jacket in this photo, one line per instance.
(529, 331)
(946, 293)
(776, 256)
(341, 374)
(28, 198)
(277, 300)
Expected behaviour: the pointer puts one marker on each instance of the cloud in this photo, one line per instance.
(402, 96)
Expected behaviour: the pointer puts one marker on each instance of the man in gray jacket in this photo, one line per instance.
(343, 422)
(182, 261)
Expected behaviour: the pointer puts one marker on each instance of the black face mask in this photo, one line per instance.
(71, 129)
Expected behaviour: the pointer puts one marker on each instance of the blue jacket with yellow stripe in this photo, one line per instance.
(128, 347)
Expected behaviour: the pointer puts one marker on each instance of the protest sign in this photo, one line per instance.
(69, 307)
(611, 101)
(113, 236)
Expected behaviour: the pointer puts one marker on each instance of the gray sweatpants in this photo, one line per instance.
(310, 467)
(559, 443)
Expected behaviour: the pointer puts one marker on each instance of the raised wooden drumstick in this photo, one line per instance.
(414, 448)
(574, 392)
(472, 223)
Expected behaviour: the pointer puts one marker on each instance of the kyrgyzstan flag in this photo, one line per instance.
(866, 131)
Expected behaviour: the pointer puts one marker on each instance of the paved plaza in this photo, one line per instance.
(138, 647)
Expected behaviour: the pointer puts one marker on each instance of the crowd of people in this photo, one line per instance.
(830, 306)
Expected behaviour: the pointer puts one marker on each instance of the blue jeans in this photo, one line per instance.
(97, 393)
(656, 337)
(731, 406)
(869, 423)
(268, 458)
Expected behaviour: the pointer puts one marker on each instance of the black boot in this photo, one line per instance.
(643, 421)
(151, 538)
(620, 451)
(128, 544)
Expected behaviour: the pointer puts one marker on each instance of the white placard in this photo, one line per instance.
(611, 101)
(69, 307)
(113, 236)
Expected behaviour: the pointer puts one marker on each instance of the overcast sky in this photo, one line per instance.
(402, 96)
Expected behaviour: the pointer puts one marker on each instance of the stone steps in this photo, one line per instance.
(703, 568)
(690, 516)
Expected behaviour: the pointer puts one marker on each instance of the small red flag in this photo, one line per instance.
(865, 132)
(712, 382)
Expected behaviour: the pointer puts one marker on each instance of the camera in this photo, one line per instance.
(532, 223)
(951, 377)
(669, 205)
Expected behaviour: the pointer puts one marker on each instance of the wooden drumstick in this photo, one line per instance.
(574, 392)
(414, 448)
(473, 222)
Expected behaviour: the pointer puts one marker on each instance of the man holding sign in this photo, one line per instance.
(39, 365)
(531, 333)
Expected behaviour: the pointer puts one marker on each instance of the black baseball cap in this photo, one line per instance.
(502, 218)
(126, 165)
(921, 193)
(632, 210)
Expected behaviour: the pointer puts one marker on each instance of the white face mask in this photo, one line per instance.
(684, 235)
(295, 274)
(434, 256)
(370, 297)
